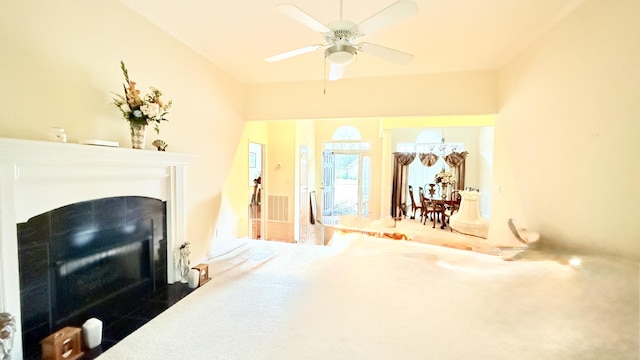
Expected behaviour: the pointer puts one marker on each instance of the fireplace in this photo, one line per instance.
(41, 181)
(89, 259)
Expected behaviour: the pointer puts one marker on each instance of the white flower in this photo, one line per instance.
(141, 110)
(152, 110)
(445, 177)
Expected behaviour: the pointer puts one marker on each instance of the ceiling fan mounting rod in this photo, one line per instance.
(341, 35)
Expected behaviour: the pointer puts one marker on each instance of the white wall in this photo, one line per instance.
(460, 93)
(485, 169)
(60, 64)
(566, 136)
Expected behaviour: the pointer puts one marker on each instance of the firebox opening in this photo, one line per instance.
(84, 282)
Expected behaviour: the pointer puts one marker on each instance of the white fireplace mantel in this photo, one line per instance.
(39, 176)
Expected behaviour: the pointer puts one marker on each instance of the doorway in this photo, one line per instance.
(257, 223)
(346, 185)
(306, 225)
(346, 178)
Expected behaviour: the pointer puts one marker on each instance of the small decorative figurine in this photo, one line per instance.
(161, 145)
(183, 264)
(7, 331)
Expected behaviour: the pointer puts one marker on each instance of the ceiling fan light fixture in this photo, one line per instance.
(340, 54)
(341, 57)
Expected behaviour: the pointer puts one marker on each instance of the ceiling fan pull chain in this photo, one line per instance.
(324, 78)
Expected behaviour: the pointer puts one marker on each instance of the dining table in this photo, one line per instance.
(437, 207)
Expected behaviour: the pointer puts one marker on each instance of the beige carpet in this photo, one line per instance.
(371, 298)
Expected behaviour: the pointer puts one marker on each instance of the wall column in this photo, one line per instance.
(385, 181)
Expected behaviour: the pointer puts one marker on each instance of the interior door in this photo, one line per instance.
(365, 184)
(304, 225)
(328, 182)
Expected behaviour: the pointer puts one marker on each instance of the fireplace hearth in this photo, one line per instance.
(89, 259)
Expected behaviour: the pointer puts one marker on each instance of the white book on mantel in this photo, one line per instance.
(98, 142)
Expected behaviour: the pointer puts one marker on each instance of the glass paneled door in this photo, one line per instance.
(346, 184)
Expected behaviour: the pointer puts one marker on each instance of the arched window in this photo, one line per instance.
(346, 138)
(346, 133)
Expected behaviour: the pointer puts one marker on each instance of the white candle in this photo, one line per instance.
(194, 278)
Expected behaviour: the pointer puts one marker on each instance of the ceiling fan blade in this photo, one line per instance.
(335, 72)
(386, 53)
(387, 16)
(293, 53)
(298, 15)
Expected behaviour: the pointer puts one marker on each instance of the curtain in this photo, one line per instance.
(428, 159)
(456, 162)
(399, 186)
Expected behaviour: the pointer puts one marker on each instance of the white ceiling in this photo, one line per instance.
(446, 35)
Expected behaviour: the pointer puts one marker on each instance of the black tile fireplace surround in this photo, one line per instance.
(89, 259)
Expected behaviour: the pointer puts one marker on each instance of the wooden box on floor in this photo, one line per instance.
(203, 269)
(64, 344)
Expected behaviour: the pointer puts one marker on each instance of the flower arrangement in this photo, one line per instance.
(445, 177)
(141, 111)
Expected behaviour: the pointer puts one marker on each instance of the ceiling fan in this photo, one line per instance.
(340, 36)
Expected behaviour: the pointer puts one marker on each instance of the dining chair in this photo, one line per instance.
(428, 210)
(452, 206)
(414, 206)
(432, 189)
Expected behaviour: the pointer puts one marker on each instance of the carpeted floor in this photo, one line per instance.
(371, 298)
